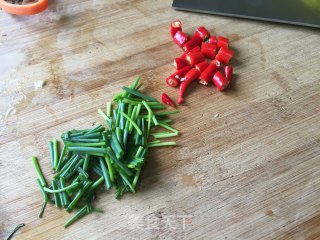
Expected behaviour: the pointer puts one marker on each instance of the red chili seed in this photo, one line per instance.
(216, 62)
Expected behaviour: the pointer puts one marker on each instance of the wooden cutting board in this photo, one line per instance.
(247, 164)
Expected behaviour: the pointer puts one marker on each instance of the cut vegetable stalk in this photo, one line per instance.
(38, 170)
(162, 144)
(56, 190)
(139, 94)
(78, 215)
(105, 173)
(132, 122)
(114, 155)
(50, 144)
(165, 134)
(55, 153)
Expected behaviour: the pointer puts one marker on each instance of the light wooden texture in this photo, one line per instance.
(250, 173)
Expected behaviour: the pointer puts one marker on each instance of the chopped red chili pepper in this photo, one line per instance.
(208, 50)
(202, 33)
(192, 43)
(192, 75)
(180, 63)
(220, 81)
(167, 100)
(212, 40)
(174, 79)
(194, 57)
(180, 38)
(196, 49)
(223, 42)
(175, 27)
(202, 66)
(224, 55)
(228, 70)
(207, 75)
(182, 72)
(192, 64)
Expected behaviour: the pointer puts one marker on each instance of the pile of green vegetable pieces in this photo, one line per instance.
(111, 156)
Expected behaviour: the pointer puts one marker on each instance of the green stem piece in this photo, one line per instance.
(38, 170)
(75, 217)
(68, 188)
(86, 163)
(110, 167)
(55, 153)
(162, 144)
(55, 194)
(132, 122)
(105, 173)
(15, 230)
(51, 154)
(139, 94)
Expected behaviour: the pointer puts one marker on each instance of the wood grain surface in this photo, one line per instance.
(248, 161)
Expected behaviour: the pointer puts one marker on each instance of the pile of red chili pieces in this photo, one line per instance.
(193, 64)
